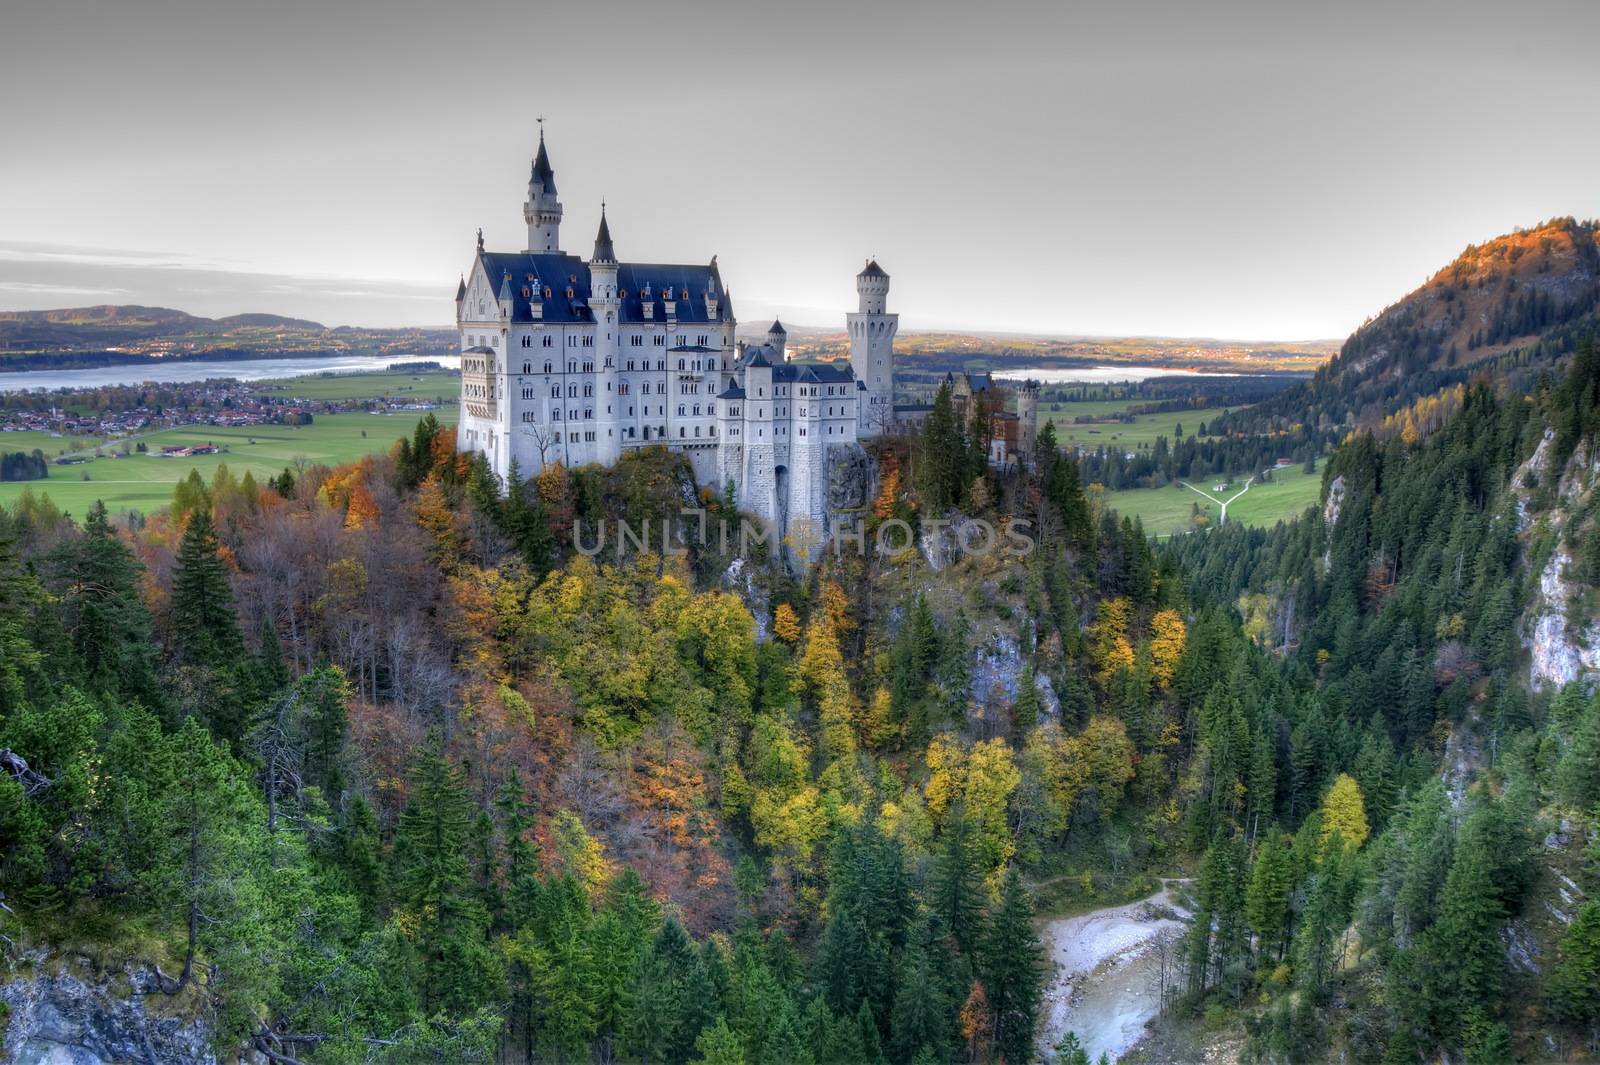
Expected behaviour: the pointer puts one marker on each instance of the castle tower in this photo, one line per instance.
(777, 336)
(1028, 420)
(542, 212)
(872, 331)
(605, 304)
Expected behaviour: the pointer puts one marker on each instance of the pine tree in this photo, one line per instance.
(920, 1016)
(1574, 987)
(95, 579)
(666, 1015)
(433, 881)
(1011, 963)
(957, 889)
(1267, 898)
(205, 626)
(943, 455)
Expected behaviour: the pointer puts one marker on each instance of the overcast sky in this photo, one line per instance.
(1230, 168)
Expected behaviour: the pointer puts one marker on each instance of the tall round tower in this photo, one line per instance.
(542, 211)
(777, 338)
(1027, 419)
(872, 329)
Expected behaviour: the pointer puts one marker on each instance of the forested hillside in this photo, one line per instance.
(1513, 307)
(374, 764)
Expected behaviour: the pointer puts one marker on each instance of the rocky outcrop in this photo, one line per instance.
(66, 1013)
(1559, 655)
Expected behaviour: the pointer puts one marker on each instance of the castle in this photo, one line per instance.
(573, 361)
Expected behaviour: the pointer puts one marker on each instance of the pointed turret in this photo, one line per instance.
(461, 289)
(543, 174)
(604, 251)
(777, 336)
(542, 211)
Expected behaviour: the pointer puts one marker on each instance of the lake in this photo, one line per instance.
(1099, 375)
(174, 371)
(171, 371)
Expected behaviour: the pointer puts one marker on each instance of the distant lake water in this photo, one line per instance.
(170, 371)
(1099, 375)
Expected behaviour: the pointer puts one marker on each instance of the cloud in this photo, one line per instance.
(38, 289)
(38, 276)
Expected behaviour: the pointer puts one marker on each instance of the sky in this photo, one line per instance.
(1239, 169)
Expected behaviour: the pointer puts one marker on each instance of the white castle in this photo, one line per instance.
(571, 361)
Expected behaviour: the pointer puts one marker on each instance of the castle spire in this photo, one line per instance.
(604, 252)
(542, 211)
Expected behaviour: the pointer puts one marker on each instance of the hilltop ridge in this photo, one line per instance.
(1515, 304)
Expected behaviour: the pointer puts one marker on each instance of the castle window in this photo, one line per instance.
(660, 341)
(555, 415)
(681, 365)
(588, 341)
(527, 342)
(555, 393)
(697, 430)
(572, 366)
(572, 341)
(636, 341)
(682, 432)
(549, 342)
(802, 431)
(527, 367)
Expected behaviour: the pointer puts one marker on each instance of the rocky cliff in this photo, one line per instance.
(69, 1010)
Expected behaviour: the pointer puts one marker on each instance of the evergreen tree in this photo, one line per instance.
(957, 888)
(1573, 990)
(433, 881)
(205, 626)
(1011, 964)
(944, 453)
(95, 581)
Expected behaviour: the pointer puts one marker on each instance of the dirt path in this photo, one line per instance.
(1105, 981)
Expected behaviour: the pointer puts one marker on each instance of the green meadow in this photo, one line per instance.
(1142, 431)
(436, 387)
(1169, 510)
(145, 482)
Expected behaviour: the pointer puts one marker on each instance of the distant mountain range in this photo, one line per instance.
(1515, 305)
(111, 335)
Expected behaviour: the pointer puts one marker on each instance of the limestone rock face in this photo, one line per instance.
(850, 475)
(61, 1018)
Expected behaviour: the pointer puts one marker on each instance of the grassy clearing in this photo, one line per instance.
(438, 387)
(145, 482)
(29, 440)
(1165, 511)
(1143, 430)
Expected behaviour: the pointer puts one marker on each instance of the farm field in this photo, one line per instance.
(145, 482)
(1128, 435)
(1165, 511)
(442, 386)
(29, 440)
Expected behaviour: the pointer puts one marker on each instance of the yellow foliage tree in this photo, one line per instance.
(821, 682)
(786, 623)
(1108, 639)
(1167, 637)
(883, 506)
(1344, 812)
(580, 854)
(981, 781)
